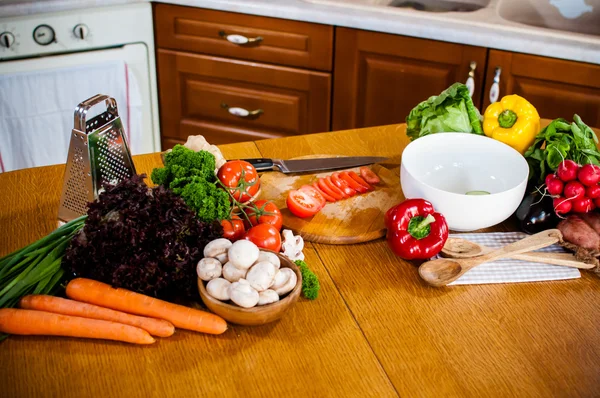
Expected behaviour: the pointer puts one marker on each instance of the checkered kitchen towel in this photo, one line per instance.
(509, 270)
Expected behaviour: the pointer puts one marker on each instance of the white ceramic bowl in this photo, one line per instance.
(443, 167)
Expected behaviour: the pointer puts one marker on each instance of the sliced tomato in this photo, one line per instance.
(368, 175)
(315, 194)
(331, 185)
(344, 176)
(360, 180)
(326, 189)
(301, 204)
(343, 185)
(325, 195)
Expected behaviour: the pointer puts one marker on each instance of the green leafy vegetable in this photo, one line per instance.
(310, 282)
(191, 175)
(451, 111)
(561, 140)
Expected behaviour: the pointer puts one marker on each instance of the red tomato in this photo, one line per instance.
(301, 204)
(325, 195)
(315, 195)
(352, 183)
(368, 175)
(265, 236)
(325, 188)
(233, 229)
(265, 212)
(331, 185)
(242, 188)
(360, 180)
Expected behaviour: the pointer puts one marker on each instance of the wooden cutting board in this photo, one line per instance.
(352, 220)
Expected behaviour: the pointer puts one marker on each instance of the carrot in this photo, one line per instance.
(30, 322)
(57, 305)
(98, 293)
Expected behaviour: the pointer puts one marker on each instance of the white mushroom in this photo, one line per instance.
(216, 247)
(243, 294)
(292, 245)
(199, 143)
(208, 269)
(261, 275)
(218, 288)
(232, 273)
(285, 281)
(223, 258)
(270, 257)
(267, 297)
(243, 254)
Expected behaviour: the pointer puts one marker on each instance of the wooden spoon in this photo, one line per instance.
(441, 272)
(462, 248)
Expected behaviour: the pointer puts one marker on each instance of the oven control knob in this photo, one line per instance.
(81, 31)
(7, 39)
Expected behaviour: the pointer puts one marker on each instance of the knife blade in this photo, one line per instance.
(317, 164)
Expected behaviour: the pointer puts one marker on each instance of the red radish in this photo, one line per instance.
(554, 185)
(583, 205)
(368, 175)
(561, 205)
(574, 189)
(597, 202)
(589, 175)
(593, 192)
(567, 170)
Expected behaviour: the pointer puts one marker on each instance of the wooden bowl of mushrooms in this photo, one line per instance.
(246, 285)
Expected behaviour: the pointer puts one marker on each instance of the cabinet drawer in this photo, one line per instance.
(198, 92)
(281, 42)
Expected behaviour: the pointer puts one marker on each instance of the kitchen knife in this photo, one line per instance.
(317, 164)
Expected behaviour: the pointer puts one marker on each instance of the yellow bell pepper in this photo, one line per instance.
(513, 121)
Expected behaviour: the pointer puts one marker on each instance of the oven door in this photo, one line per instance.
(39, 97)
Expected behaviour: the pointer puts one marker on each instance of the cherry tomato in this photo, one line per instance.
(301, 204)
(230, 175)
(265, 212)
(352, 183)
(315, 195)
(325, 195)
(360, 180)
(325, 188)
(265, 236)
(368, 175)
(233, 229)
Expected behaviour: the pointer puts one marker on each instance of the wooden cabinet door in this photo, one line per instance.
(379, 78)
(208, 95)
(557, 88)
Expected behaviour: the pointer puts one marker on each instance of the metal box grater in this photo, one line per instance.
(98, 154)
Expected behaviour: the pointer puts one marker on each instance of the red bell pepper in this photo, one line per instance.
(415, 230)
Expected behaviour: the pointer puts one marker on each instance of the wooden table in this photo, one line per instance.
(376, 329)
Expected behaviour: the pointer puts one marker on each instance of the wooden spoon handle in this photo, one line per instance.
(530, 243)
(563, 259)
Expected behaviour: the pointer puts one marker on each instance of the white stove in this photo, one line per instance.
(49, 63)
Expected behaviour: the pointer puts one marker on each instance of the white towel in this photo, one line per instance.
(37, 107)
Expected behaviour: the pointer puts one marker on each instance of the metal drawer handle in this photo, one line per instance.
(239, 39)
(241, 112)
(495, 89)
(471, 79)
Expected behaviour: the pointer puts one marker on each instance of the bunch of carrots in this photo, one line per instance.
(98, 311)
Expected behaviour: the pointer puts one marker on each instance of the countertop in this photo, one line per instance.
(480, 28)
(376, 330)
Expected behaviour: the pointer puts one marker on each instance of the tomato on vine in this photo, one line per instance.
(265, 236)
(265, 212)
(233, 229)
(240, 178)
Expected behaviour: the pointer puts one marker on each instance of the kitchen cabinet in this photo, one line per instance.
(379, 78)
(234, 77)
(557, 88)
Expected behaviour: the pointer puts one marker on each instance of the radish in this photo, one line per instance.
(589, 175)
(593, 192)
(554, 185)
(561, 205)
(583, 205)
(574, 189)
(597, 202)
(567, 170)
